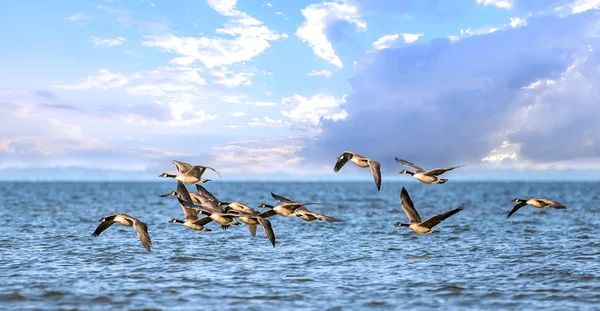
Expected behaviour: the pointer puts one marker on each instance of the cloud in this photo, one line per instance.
(449, 103)
(106, 42)
(103, 80)
(77, 17)
(321, 73)
(147, 23)
(319, 17)
(251, 38)
(385, 42)
(238, 114)
(411, 37)
(260, 104)
(503, 4)
(232, 79)
(314, 109)
(580, 6)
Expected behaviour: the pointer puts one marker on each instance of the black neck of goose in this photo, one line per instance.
(178, 221)
(405, 225)
(409, 173)
(170, 176)
(269, 206)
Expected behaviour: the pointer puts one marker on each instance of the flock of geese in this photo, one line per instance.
(226, 214)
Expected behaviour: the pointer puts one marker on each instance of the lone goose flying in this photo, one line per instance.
(360, 161)
(191, 216)
(125, 220)
(427, 177)
(535, 202)
(416, 225)
(190, 174)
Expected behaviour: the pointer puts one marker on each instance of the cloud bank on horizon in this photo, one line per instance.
(284, 87)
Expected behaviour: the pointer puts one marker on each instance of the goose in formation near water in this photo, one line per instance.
(428, 177)
(304, 212)
(195, 197)
(286, 207)
(535, 202)
(125, 220)
(191, 216)
(190, 174)
(214, 211)
(252, 218)
(416, 225)
(360, 161)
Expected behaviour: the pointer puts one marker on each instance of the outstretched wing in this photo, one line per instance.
(205, 193)
(281, 199)
(435, 220)
(182, 167)
(203, 169)
(102, 226)
(266, 224)
(553, 204)
(409, 207)
(376, 169)
(342, 160)
(440, 171)
(268, 213)
(142, 232)
(409, 164)
(516, 208)
(183, 194)
(203, 221)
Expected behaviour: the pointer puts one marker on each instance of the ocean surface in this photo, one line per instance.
(479, 259)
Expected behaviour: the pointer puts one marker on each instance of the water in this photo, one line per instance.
(537, 259)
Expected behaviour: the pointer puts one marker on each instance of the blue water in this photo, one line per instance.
(537, 259)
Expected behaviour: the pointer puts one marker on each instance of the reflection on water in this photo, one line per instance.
(536, 259)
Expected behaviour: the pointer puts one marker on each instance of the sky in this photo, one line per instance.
(278, 89)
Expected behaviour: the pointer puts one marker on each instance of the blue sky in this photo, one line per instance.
(278, 89)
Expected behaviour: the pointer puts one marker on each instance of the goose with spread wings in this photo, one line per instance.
(303, 212)
(128, 221)
(286, 207)
(191, 216)
(427, 177)
(190, 174)
(535, 202)
(252, 218)
(416, 225)
(360, 161)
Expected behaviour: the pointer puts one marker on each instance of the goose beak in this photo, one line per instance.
(164, 195)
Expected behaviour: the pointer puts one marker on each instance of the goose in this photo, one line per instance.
(191, 216)
(210, 208)
(283, 209)
(416, 225)
(252, 218)
(360, 161)
(427, 177)
(125, 220)
(308, 215)
(303, 212)
(189, 174)
(194, 197)
(535, 202)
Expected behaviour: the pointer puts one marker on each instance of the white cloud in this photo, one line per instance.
(321, 73)
(266, 121)
(517, 22)
(103, 80)
(231, 79)
(238, 114)
(78, 17)
(251, 38)
(107, 42)
(504, 4)
(314, 109)
(580, 6)
(452, 38)
(319, 17)
(411, 37)
(260, 104)
(385, 42)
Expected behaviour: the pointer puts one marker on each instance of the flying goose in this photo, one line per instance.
(213, 211)
(191, 216)
(252, 218)
(535, 202)
(360, 161)
(283, 209)
(125, 220)
(189, 174)
(416, 225)
(195, 197)
(428, 177)
(308, 215)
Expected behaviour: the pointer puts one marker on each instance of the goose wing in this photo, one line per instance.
(203, 169)
(199, 208)
(323, 217)
(203, 221)
(266, 224)
(252, 229)
(376, 169)
(409, 207)
(182, 167)
(440, 171)
(435, 220)
(281, 199)
(104, 224)
(203, 192)
(183, 194)
(142, 232)
(552, 203)
(268, 213)
(342, 160)
(409, 164)
(516, 208)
